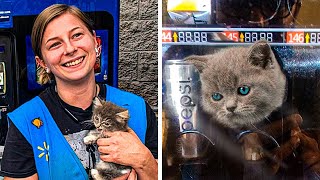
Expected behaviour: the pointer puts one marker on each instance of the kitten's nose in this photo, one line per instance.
(231, 105)
(231, 108)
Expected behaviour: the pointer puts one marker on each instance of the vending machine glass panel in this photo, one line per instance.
(225, 62)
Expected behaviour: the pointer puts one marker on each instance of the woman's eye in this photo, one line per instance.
(244, 90)
(217, 96)
(77, 35)
(54, 45)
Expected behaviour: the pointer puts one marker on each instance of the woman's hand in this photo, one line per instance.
(123, 148)
(126, 148)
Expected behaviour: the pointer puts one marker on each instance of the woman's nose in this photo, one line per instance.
(69, 49)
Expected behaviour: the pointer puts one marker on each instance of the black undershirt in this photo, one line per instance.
(18, 159)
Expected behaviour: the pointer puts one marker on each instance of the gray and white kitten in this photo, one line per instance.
(240, 86)
(107, 117)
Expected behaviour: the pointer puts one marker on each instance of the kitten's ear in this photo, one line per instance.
(260, 54)
(122, 116)
(97, 102)
(200, 62)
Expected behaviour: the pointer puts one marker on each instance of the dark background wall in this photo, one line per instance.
(138, 53)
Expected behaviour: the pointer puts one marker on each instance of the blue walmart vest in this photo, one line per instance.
(53, 155)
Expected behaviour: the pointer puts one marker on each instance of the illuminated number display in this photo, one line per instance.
(249, 37)
(166, 36)
(295, 37)
(312, 37)
(191, 36)
(232, 35)
(226, 36)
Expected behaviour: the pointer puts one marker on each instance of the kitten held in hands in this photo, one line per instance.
(107, 117)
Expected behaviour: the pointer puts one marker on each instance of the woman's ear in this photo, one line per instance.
(95, 38)
(40, 62)
(97, 44)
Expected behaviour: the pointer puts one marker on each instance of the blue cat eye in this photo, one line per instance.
(217, 96)
(244, 90)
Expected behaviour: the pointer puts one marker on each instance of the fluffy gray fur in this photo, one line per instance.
(107, 117)
(227, 70)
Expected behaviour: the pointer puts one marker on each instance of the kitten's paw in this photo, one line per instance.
(89, 140)
(125, 171)
(95, 174)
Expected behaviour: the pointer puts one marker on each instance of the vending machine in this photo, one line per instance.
(8, 83)
(199, 138)
(18, 79)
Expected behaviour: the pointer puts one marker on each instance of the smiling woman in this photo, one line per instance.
(45, 137)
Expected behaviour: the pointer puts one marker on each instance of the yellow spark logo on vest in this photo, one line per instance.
(45, 150)
(37, 122)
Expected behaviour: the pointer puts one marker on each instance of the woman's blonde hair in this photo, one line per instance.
(39, 26)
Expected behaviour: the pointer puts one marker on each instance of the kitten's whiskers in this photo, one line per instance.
(267, 118)
(87, 124)
(255, 127)
(254, 118)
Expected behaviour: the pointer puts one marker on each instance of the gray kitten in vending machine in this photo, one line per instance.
(240, 86)
(107, 117)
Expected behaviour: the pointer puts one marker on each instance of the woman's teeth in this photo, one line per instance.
(73, 63)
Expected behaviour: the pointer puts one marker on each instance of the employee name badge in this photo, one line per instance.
(189, 11)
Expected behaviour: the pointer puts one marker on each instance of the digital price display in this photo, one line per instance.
(181, 36)
(216, 36)
(249, 37)
(303, 37)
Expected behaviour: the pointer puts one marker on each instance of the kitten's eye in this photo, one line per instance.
(244, 90)
(217, 96)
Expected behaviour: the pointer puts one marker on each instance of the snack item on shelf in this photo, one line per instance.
(189, 11)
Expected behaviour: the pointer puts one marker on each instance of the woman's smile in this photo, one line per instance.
(72, 63)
